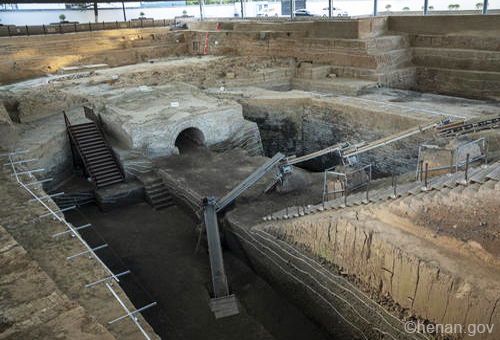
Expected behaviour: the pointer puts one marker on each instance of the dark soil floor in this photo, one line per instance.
(158, 248)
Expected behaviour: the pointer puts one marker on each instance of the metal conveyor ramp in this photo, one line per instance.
(225, 304)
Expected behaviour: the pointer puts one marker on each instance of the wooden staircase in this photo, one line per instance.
(99, 160)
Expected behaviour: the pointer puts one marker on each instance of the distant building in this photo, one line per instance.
(163, 3)
(285, 6)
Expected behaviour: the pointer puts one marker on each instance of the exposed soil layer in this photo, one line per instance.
(159, 249)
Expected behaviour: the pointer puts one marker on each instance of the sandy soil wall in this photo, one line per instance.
(437, 284)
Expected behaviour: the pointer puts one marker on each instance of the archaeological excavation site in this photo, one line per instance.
(251, 178)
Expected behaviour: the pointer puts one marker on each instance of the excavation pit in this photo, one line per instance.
(183, 128)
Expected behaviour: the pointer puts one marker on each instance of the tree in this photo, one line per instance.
(479, 5)
(388, 7)
(62, 17)
(430, 8)
(141, 15)
(406, 8)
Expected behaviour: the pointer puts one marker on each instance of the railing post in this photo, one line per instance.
(426, 6)
(485, 6)
(451, 162)
(368, 185)
(345, 190)
(27, 30)
(466, 168)
(375, 10)
(426, 173)
(421, 166)
(394, 184)
(202, 10)
(123, 9)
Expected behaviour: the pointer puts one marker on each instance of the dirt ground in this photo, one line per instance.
(158, 247)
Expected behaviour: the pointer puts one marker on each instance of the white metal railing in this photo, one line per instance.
(74, 232)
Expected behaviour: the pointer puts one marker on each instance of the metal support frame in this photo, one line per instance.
(202, 9)
(22, 161)
(248, 182)
(458, 149)
(330, 8)
(366, 168)
(47, 196)
(426, 173)
(466, 172)
(219, 279)
(57, 211)
(292, 10)
(74, 231)
(46, 180)
(109, 278)
(426, 7)
(485, 6)
(69, 231)
(29, 171)
(132, 313)
(395, 185)
(92, 250)
(455, 164)
(242, 9)
(129, 314)
(375, 9)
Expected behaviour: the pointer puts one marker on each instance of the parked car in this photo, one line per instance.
(336, 12)
(303, 13)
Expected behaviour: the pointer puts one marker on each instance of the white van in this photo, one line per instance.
(336, 12)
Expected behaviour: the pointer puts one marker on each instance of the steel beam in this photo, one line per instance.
(249, 181)
(219, 280)
(202, 10)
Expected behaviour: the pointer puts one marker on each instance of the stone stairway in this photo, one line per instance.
(157, 194)
(481, 174)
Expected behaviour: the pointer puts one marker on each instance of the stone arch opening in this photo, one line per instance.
(189, 139)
